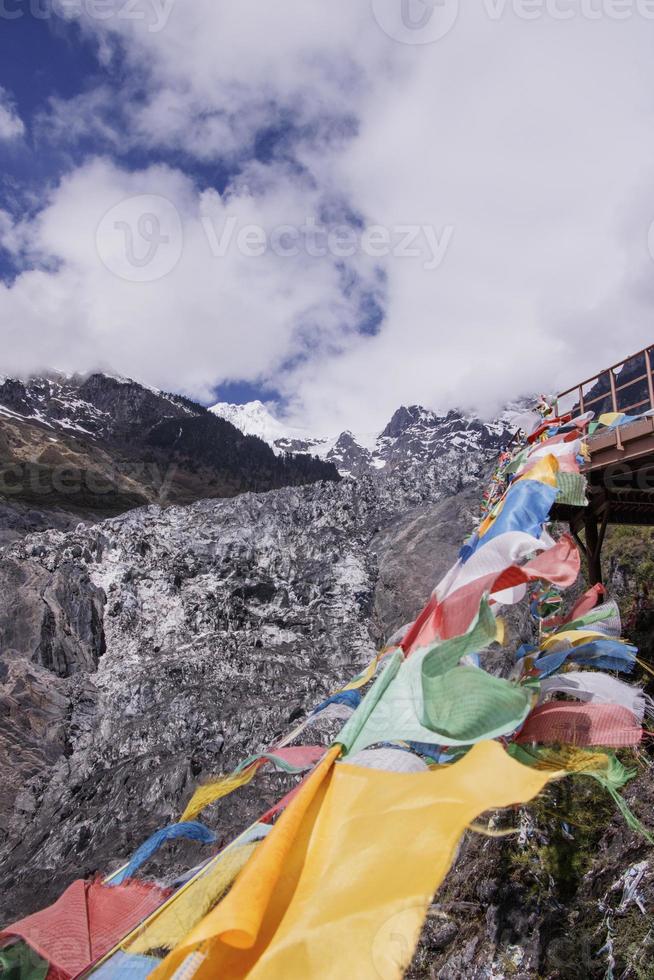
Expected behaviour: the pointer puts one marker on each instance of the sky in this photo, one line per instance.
(339, 207)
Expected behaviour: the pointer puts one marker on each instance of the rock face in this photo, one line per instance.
(145, 652)
(174, 642)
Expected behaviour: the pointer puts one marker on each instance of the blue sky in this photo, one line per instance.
(50, 62)
(312, 204)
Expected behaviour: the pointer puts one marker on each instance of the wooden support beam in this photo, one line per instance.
(602, 530)
(594, 547)
(582, 544)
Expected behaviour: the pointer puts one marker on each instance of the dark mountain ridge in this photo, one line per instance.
(92, 447)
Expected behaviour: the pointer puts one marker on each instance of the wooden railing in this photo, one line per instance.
(624, 387)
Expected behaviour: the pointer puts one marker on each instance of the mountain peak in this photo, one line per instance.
(255, 419)
(414, 434)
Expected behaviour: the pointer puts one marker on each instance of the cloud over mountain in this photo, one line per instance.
(348, 218)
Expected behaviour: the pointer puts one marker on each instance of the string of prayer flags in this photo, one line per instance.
(602, 654)
(293, 759)
(293, 912)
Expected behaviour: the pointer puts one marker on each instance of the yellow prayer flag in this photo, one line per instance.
(324, 897)
(169, 925)
(216, 790)
(544, 471)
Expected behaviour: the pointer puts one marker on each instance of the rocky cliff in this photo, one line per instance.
(144, 652)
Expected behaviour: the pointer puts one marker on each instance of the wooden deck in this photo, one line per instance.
(621, 468)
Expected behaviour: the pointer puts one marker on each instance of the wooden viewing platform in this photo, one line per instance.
(621, 468)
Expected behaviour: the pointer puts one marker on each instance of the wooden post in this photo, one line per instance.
(650, 384)
(593, 549)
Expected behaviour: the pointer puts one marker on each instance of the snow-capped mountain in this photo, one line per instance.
(97, 405)
(414, 434)
(255, 419)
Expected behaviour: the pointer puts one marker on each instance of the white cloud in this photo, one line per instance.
(532, 139)
(211, 312)
(11, 125)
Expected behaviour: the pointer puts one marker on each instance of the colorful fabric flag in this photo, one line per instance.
(583, 605)
(216, 790)
(293, 759)
(491, 569)
(556, 446)
(368, 673)
(582, 724)
(125, 966)
(610, 418)
(554, 422)
(389, 759)
(352, 729)
(86, 922)
(20, 962)
(258, 885)
(558, 564)
(301, 922)
(603, 654)
(572, 637)
(571, 490)
(168, 926)
(467, 704)
(591, 685)
(482, 631)
(605, 618)
(526, 508)
(333, 712)
(188, 831)
(426, 701)
(349, 698)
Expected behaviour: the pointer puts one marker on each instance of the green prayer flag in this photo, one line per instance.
(442, 656)
(20, 962)
(571, 489)
(428, 698)
(351, 732)
(467, 704)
